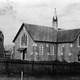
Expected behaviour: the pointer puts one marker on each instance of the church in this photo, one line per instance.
(45, 43)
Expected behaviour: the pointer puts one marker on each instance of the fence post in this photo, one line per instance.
(21, 75)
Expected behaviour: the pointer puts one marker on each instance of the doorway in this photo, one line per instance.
(24, 52)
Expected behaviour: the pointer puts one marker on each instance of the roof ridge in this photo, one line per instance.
(39, 25)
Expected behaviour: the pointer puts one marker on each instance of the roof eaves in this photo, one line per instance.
(18, 33)
(44, 41)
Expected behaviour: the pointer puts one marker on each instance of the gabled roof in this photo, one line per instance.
(39, 33)
(68, 35)
(18, 32)
(49, 34)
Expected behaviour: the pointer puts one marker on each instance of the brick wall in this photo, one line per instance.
(69, 48)
(48, 52)
(30, 54)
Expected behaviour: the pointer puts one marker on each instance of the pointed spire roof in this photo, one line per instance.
(55, 15)
(55, 20)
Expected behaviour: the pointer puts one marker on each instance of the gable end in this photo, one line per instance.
(18, 32)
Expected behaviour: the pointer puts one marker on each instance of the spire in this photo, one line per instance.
(55, 20)
(55, 15)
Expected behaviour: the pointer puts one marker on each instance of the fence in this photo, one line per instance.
(8, 66)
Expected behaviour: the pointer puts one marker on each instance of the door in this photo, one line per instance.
(24, 52)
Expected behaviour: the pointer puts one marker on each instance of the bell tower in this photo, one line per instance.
(55, 20)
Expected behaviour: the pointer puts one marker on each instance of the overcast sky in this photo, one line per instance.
(14, 12)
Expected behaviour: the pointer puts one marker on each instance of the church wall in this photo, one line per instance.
(18, 45)
(48, 52)
(70, 52)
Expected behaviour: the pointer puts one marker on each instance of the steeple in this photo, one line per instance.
(55, 20)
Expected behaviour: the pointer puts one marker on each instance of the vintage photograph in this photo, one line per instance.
(39, 39)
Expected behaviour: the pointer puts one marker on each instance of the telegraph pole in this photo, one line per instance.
(22, 76)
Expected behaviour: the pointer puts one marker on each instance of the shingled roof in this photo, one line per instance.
(39, 33)
(49, 34)
(68, 35)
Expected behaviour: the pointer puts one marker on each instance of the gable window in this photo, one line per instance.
(24, 40)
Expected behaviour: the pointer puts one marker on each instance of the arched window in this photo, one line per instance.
(24, 40)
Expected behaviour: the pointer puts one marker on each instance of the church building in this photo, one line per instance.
(45, 43)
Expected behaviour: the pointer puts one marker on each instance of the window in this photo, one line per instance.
(34, 44)
(41, 48)
(61, 53)
(24, 40)
(70, 57)
(71, 45)
(47, 45)
(70, 54)
(62, 49)
(31, 53)
(79, 56)
(52, 50)
(35, 51)
(78, 41)
(34, 47)
(48, 49)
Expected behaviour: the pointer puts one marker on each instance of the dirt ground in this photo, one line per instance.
(46, 77)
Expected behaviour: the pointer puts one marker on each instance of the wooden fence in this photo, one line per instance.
(16, 66)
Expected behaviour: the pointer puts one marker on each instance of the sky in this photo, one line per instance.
(40, 12)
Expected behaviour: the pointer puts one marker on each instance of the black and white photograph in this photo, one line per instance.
(39, 39)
